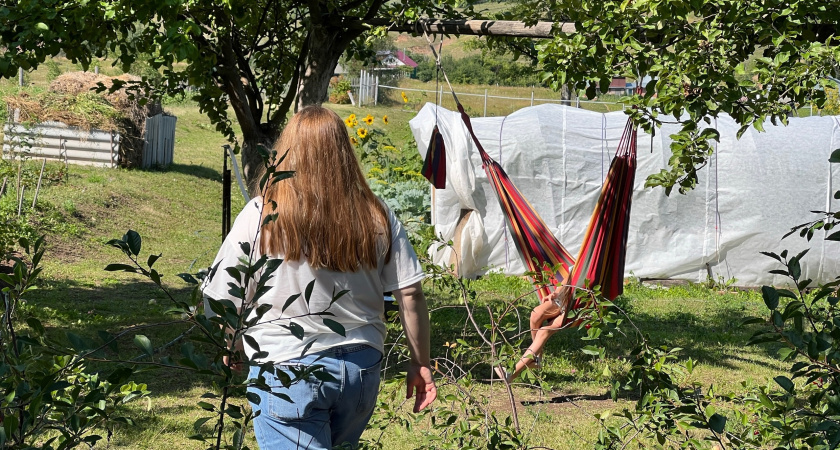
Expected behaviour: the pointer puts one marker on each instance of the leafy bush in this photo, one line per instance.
(832, 102)
(338, 90)
(48, 397)
(32, 222)
(53, 69)
(408, 199)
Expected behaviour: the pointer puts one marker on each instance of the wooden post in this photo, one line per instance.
(376, 91)
(38, 188)
(225, 193)
(20, 200)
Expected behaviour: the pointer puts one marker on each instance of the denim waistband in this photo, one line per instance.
(345, 349)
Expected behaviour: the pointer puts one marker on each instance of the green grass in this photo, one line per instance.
(178, 211)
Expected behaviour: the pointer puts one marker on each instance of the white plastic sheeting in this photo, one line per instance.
(749, 195)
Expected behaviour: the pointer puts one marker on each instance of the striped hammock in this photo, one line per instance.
(602, 255)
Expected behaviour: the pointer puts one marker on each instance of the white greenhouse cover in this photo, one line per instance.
(749, 195)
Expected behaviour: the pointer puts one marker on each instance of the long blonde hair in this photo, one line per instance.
(326, 213)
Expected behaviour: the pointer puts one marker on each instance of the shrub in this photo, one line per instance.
(338, 90)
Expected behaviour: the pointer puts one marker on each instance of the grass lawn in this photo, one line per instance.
(178, 212)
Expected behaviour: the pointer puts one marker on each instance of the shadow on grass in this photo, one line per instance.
(67, 306)
(713, 337)
(194, 170)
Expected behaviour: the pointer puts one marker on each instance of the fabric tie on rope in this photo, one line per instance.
(434, 166)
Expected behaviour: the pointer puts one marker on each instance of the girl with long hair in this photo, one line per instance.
(327, 226)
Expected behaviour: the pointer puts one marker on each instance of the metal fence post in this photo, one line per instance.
(485, 103)
(532, 98)
(376, 91)
(20, 76)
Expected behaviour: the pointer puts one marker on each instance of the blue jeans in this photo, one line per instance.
(322, 414)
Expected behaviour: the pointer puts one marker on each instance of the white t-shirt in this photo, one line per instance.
(359, 311)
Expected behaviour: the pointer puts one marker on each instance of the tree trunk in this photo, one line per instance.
(252, 161)
(567, 96)
(327, 46)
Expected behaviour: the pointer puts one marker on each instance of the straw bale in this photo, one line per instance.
(111, 111)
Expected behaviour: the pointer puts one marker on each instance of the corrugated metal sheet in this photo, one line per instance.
(159, 141)
(54, 140)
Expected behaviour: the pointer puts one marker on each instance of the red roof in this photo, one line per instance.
(405, 59)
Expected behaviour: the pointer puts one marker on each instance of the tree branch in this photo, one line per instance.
(465, 27)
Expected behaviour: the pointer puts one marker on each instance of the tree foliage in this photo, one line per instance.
(248, 60)
(695, 53)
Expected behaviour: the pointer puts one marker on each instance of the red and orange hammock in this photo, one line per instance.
(602, 255)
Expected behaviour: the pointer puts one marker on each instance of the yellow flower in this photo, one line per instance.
(368, 120)
(362, 132)
(352, 117)
(385, 120)
(405, 97)
(353, 141)
(348, 122)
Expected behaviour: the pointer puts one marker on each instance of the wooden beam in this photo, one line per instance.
(508, 28)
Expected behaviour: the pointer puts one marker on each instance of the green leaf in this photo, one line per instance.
(795, 268)
(153, 259)
(134, 242)
(771, 297)
(77, 342)
(289, 302)
(144, 343)
(717, 423)
(297, 330)
(591, 350)
(835, 156)
(120, 267)
(36, 325)
(187, 278)
(785, 383)
(308, 291)
(785, 352)
(335, 327)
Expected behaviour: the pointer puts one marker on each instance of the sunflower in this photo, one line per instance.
(351, 121)
(348, 122)
(405, 97)
(385, 120)
(368, 120)
(353, 141)
(362, 132)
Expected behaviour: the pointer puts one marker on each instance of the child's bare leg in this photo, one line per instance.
(536, 348)
(545, 311)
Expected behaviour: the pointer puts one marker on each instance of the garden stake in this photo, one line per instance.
(38, 188)
(20, 201)
(3, 187)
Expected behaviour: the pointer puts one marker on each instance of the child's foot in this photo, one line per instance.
(532, 360)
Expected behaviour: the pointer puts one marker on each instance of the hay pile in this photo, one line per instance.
(71, 99)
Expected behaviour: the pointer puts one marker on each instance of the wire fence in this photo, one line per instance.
(368, 91)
